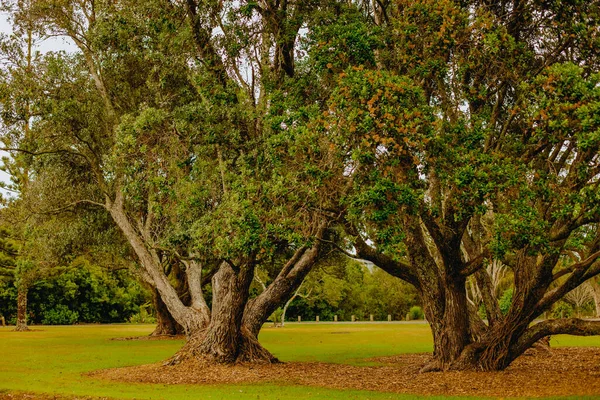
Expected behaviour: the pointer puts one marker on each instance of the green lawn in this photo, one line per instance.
(53, 359)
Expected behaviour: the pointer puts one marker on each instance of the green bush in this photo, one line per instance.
(60, 315)
(562, 309)
(276, 316)
(482, 312)
(506, 301)
(143, 316)
(415, 312)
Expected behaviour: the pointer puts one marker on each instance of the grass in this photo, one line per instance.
(53, 360)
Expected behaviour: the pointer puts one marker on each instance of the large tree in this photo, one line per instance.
(500, 165)
(169, 128)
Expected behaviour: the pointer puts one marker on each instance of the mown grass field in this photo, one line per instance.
(53, 360)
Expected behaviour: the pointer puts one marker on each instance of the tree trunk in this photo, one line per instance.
(22, 309)
(165, 323)
(191, 318)
(225, 340)
(448, 317)
(282, 288)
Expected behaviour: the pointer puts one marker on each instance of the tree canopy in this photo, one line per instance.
(440, 140)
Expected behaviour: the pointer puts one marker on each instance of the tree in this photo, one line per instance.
(8, 255)
(580, 296)
(499, 164)
(181, 155)
(17, 88)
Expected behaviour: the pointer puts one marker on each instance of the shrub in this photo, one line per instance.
(143, 316)
(562, 309)
(276, 316)
(60, 315)
(415, 312)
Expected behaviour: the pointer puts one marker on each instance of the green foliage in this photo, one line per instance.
(337, 41)
(506, 300)
(351, 288)
(82, 292)
(415, 313)
(8, 254)
(143, 316)
(275, 317)
(562, 309)
(60, 315)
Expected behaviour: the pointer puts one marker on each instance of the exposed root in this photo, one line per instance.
(249, 351)
(22, 329)
(542, 345)
(431, 366)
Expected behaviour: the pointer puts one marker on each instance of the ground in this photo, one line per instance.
(61, 360)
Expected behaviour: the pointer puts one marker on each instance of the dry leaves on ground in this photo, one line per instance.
(564, 371)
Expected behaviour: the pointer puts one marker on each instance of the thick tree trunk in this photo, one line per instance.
(449, 321)
(192, 318)
(165, 323)
(281, 289)
(22, 309)
(225, 340)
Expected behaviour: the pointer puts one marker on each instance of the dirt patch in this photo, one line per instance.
(560, 372)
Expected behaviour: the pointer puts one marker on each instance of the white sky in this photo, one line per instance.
(51, 44)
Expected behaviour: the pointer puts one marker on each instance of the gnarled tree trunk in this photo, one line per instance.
(447, 312)
(226, 340)
(282, 288)
(165, 323)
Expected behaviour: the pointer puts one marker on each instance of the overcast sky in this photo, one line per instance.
(51, 44)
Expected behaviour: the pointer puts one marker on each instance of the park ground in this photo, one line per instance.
(56, 362)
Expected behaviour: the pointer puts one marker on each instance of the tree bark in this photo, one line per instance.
(22, 309)
(165, 323)
(226, 340)
(281, 289)
(192, 319)
(448, 316)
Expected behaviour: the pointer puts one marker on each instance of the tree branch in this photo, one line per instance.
(571, 326)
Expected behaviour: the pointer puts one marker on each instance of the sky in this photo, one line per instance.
(50, 44)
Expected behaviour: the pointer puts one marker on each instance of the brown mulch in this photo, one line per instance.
(41, 396)
(559, 372)
(149, 337)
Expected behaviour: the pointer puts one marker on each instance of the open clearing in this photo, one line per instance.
(58, 361)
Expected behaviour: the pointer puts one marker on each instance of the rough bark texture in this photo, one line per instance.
(192, 319)
(22, 309)
(225, 340)
(165, 323)
(448, 315)
(281, 289)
